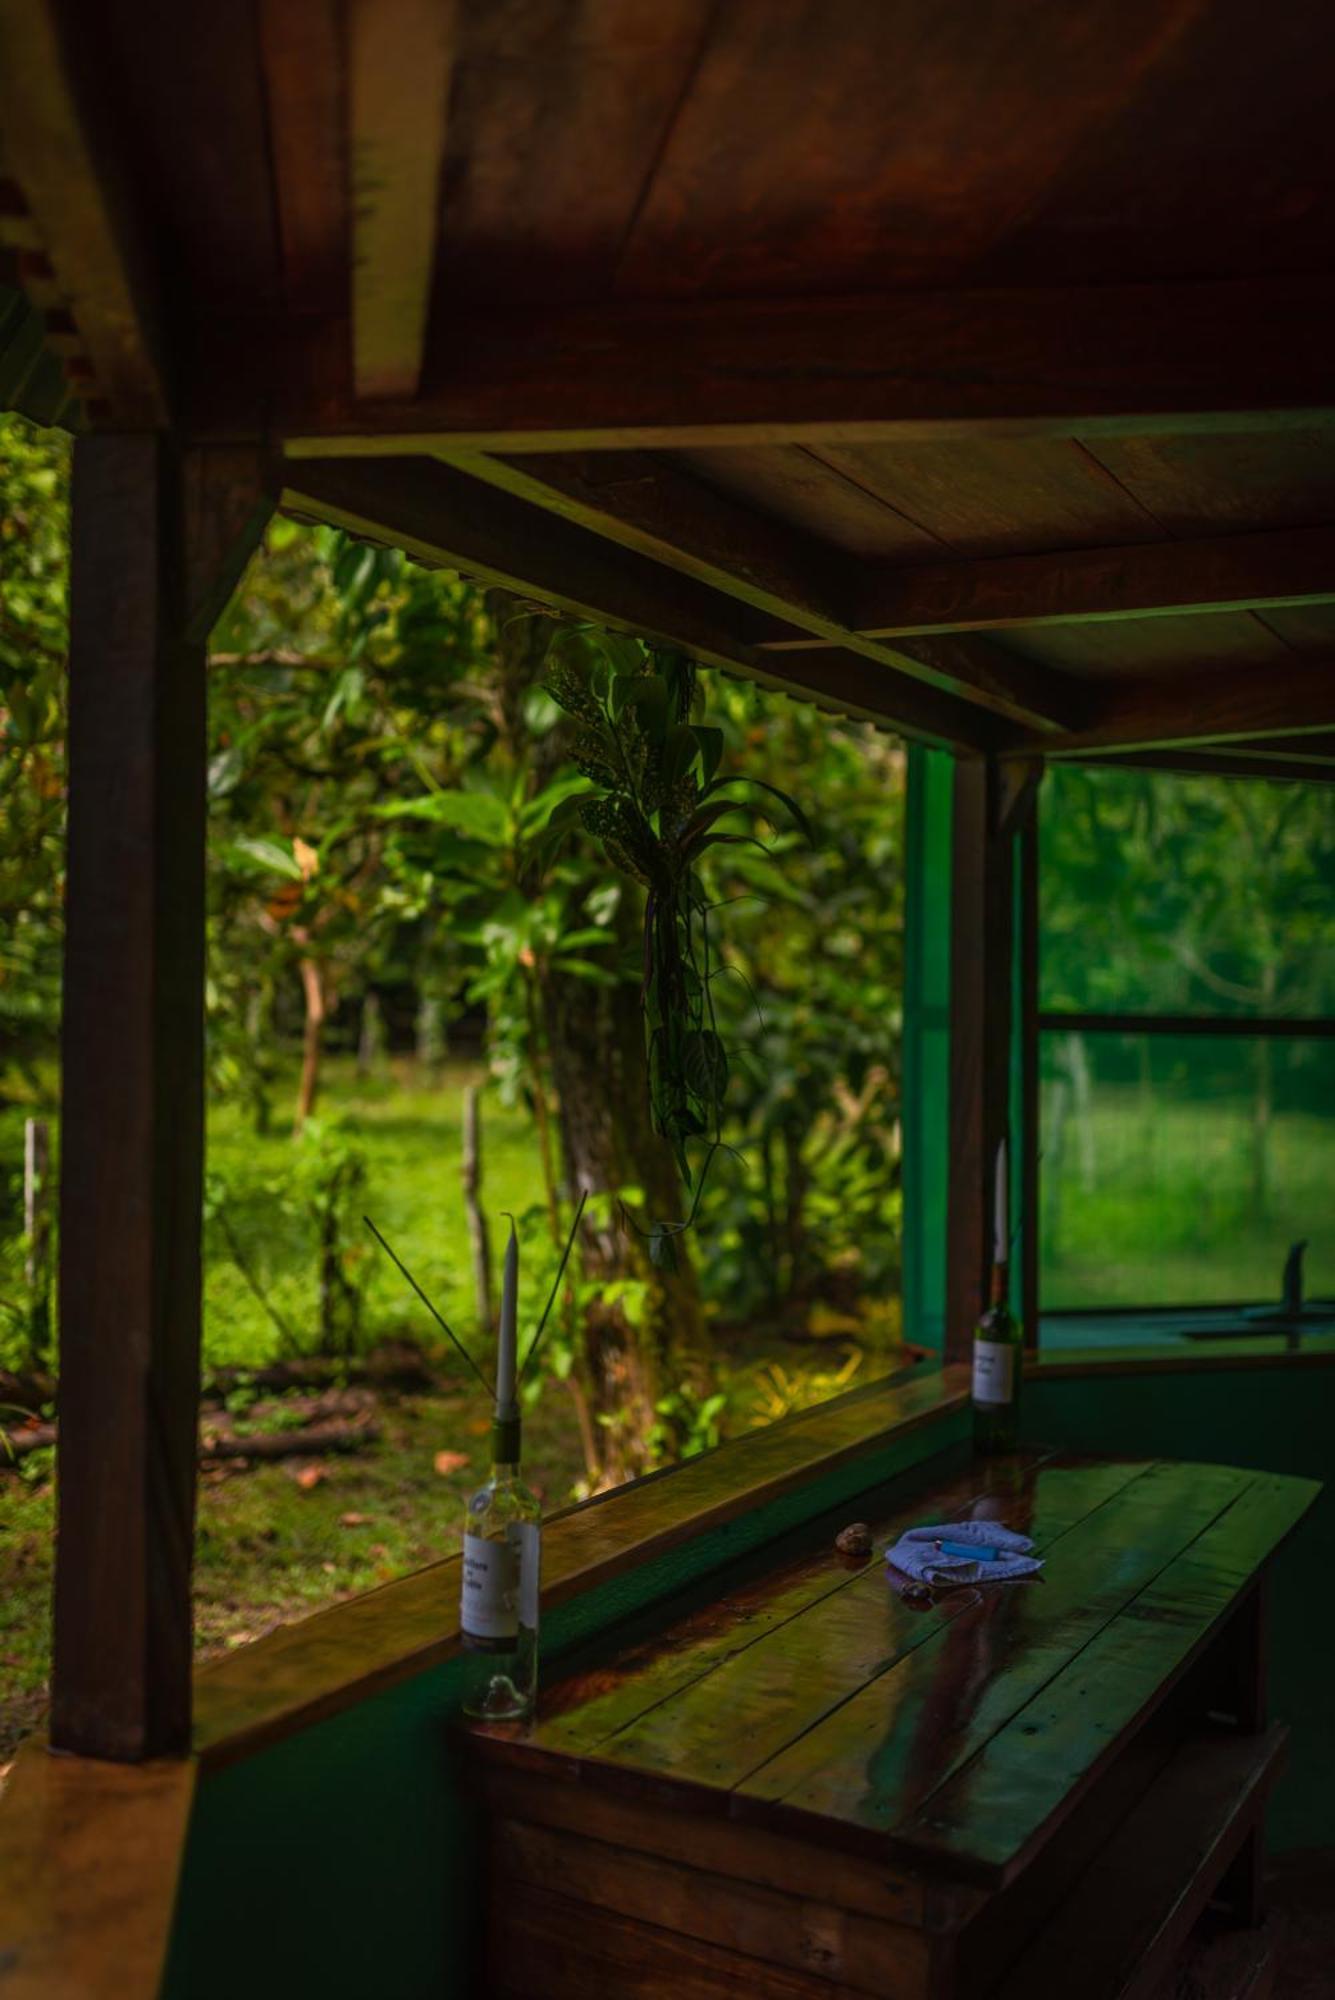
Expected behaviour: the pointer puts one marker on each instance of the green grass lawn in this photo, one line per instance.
(410, 1132)
(1156, 1203)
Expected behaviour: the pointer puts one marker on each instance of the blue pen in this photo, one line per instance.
(971, 1551)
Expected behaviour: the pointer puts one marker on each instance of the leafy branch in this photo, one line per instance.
(659, 805)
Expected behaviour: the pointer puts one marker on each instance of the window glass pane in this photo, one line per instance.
(1163, 894)
(1178, 1170)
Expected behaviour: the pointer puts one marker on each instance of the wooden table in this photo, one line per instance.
(797, 1786)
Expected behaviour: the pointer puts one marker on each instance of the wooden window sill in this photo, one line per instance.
(323, 1664)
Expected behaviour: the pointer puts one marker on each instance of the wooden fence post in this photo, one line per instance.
(477, 1227)
(37, 1230)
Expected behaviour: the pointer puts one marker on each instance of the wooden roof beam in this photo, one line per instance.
(82, 216)
(399, 66)
(1244, 705)
(1097, 360)
(648, 504)
(442, 516)
(1082, 586)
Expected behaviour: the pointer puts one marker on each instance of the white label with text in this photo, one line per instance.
(490, 1607)
(993, 1371)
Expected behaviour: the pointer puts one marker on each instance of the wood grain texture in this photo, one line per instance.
(881, 1756)
(990, 496)
(90, 1855)
(303, 1672)
(399, 60)
(1231, 572)
(443, 516)
(857, 1953)
(560, 114)
(1031, 1771)
(903, 368)
(132, 1048)
(807, 155)
(305, 91)
(1285, 696)
(549, 1950)
(642, 501)
(959, 1738)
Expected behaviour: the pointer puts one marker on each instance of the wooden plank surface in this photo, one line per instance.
(799, 1933)
(722, 1729)
(824, 1708)
(594, 1712)
(884, 1754)
(1029, 1773)
(90, 1855)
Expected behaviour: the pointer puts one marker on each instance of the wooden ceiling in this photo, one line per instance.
(966, 365)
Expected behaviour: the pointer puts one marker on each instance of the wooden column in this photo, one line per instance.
(147, 529)
(992, 801)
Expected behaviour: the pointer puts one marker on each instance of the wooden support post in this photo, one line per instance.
(146, 545)
(1030, 1218)
(981, 926)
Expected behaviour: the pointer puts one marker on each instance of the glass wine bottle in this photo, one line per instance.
(498, 1614)
(998, 1356)
(501, 1576)
(998, 1344)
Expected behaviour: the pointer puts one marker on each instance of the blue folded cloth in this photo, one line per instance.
(918, 1553)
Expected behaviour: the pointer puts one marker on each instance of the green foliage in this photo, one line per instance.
(33, 613)
(659, 810)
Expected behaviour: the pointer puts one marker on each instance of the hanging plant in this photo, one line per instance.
(659, 805)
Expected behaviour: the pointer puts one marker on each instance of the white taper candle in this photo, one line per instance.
(1001, 1246)
(507, 1353)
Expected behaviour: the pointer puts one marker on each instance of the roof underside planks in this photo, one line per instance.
(966, 368)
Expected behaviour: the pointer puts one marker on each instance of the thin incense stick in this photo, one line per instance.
(439, 1319)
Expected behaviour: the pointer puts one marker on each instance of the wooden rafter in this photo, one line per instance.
(442, 516)
(645, 503)
(1040, 361)
(400, 63)
(1240, 705)
(1079, 586)
(82, 216)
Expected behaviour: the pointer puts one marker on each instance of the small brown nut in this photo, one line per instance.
(854, 1540)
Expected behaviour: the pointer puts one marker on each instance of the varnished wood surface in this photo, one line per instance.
(815, 1702)
(90, 1853)
(325, 1663)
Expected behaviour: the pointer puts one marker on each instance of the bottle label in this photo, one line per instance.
(490, 1606)
(500, 1582)
(993, 1372)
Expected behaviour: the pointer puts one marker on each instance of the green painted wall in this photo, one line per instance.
(1278, 1420)
(342, 1861)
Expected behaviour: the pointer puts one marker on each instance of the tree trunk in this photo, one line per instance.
(312, 1045)
(596, 1037)
(370, 1036)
